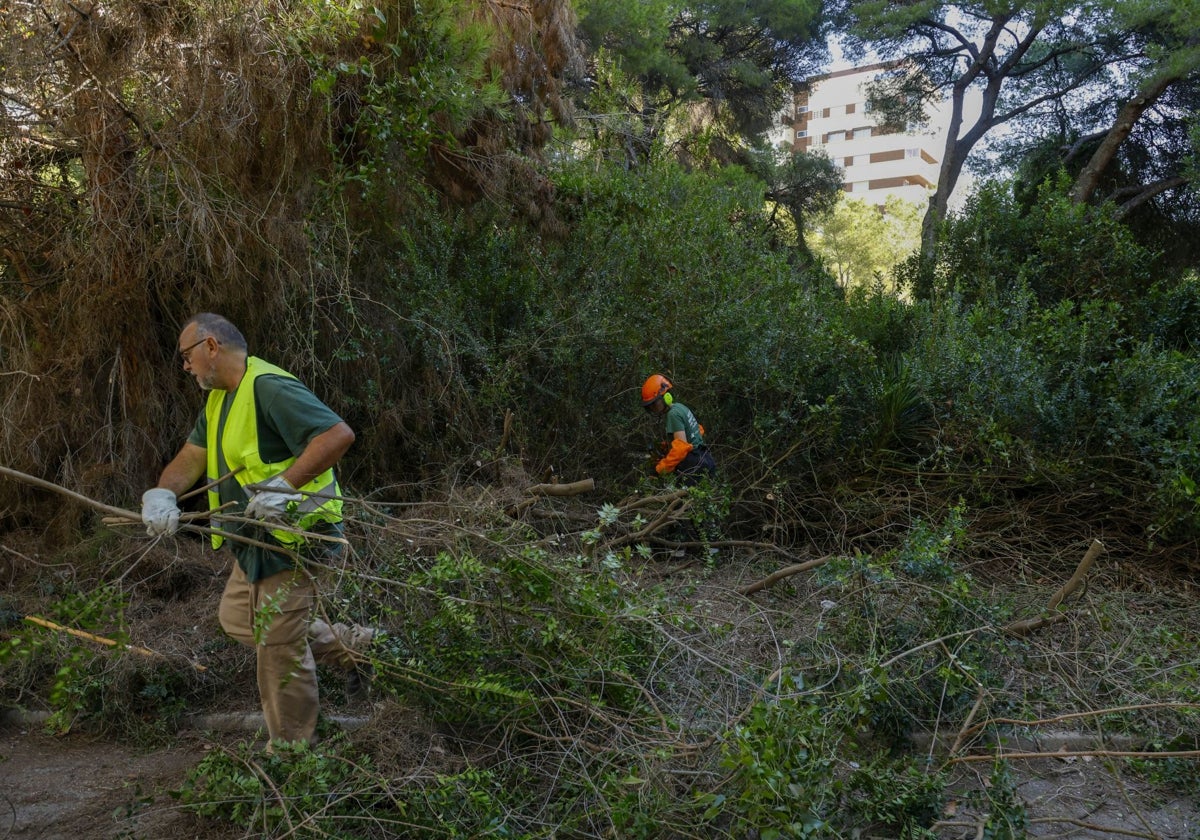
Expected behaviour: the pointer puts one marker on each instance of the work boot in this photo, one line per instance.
(360, 673)
(359, 638)
(358, 682)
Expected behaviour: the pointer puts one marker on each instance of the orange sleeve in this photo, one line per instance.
(679, 451)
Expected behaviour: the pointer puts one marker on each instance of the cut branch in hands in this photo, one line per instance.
(79, 497)
(129, 516)
(205, 487)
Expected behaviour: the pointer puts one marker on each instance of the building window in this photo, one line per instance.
(912, 153)
(836, 136)
(850, 108)
(849, 161)
(801, 133)
(803, 109)
(862, 133)
(825, 113)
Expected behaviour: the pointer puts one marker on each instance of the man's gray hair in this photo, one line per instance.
(220, 328)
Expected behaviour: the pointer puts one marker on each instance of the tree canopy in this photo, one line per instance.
(738, 59)
(862, 244)
(1079, 67)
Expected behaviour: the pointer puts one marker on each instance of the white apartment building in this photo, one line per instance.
(831, 114)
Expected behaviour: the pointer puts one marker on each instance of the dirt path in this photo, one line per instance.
(76, 788)
(1083, 799)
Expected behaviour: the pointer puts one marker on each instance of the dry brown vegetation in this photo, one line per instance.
(159, 159)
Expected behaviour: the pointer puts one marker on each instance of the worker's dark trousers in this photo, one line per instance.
(696, 465)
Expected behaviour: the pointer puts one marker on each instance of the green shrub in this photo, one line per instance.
(508, 638)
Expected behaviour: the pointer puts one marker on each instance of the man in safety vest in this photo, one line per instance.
(273, 445)
(686, 456)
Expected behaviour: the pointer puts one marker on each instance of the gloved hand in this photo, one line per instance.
(160, 513)
(272, 501)
(679, 450)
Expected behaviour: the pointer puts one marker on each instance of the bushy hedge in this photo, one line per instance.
(1054, 347)
(663, 271)
(1046, 352)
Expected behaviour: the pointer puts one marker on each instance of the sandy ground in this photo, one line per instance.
(73, 787)
(1084, 798)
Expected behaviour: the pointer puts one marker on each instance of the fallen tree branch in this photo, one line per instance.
(787, 571)
(1077, 754)
(676, 505)
(1075, 715)
(631, 503)
(1027, 625)
(1076, 579)
(92, 637)
(574, 488)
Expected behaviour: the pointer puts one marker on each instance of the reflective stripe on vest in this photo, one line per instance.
(322, 497)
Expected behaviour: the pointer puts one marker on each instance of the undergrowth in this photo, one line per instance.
(546, 693)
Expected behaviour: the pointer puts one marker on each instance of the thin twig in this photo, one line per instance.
(197, 491)
(930, 643)
(1075, 715)
(190, 516)
(1103, 829)
(962, 731)
(1077, 754)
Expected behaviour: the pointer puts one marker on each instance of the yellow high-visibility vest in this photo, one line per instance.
(322, 500)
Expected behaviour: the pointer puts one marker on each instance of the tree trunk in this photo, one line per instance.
(957, 148)
(1089, 178)
(954, 157)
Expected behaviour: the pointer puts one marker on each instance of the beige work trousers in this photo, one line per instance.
(289, 644)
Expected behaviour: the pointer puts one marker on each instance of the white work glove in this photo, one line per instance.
(272, 501)
(160, 513)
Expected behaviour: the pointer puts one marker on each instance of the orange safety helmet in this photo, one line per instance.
(654, 387)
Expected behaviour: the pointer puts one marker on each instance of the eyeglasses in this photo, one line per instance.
(186, 352)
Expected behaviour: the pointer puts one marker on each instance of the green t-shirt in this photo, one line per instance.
(681, 419)
(288, 416)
